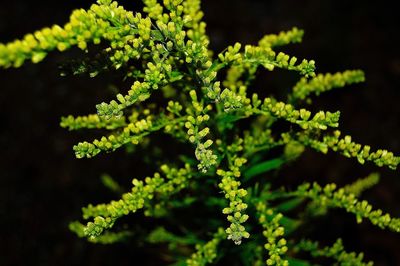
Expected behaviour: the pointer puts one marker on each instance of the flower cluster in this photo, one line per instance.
(362, 184)
(197, 115)
(273, 232)
(328, 196)
(295, 35)
(208, 252)
(348, 148)
(235, 195)
(325, 82)
(336, 251)
(91, 121)
(106, 214)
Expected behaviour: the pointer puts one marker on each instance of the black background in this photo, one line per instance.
(43, 187)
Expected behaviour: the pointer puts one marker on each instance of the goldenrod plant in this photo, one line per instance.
(182, 89)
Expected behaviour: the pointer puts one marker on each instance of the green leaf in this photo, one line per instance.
(297, 262)
(227, 120)
(157, 35)
(174, 76)
(110, 183)
(181, 203)
(263, 168)
(181, 262)
(215, 201)
(289, 204)
(289, 224)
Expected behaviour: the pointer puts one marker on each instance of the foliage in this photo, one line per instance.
(165, 50)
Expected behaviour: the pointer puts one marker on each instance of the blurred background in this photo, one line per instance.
(43, 187)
